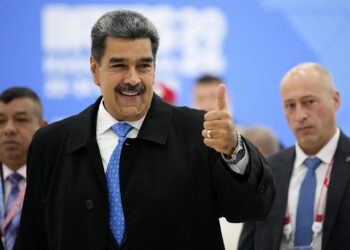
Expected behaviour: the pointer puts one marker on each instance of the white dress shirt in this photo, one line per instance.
(107, 140)
(326, 155)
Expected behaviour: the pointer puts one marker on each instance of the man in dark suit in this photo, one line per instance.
(310, 103)
(21, 115)
(133, 172)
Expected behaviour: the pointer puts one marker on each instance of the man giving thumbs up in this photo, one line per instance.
(219, 131)
(131, 171)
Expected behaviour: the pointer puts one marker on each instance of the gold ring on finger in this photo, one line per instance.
(209, 133)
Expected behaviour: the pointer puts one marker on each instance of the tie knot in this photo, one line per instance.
(121, 129)
(15, 178)
(312, 163)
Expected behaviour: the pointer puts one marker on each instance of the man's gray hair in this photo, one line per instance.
(122, 24)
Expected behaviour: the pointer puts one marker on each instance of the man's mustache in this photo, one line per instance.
(138, 88)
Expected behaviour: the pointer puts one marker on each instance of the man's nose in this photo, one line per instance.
(10, 127)
(300, 113)
(133, 76)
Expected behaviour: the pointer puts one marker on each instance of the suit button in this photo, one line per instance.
(89, 204)
(261, 188)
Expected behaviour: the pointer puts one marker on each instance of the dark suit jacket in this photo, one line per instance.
(267, 235)
(173, 187)
(3, 188)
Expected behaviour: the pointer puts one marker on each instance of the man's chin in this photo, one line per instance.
(12, 155)
(308, 142)
(131, 113)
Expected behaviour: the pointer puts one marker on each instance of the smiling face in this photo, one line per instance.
(126, 76)
(310, 104)
(19, 119)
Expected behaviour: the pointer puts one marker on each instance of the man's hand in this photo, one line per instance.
(219, 131)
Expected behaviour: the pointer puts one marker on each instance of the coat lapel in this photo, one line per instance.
(340, 178)
(157, 123)
(83, 135)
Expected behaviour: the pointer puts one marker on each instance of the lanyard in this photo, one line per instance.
(2, 201)
(321, 205)
(12, 212)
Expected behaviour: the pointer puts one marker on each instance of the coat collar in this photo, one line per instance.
(155, 127)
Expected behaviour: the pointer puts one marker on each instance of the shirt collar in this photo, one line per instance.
(105, 120)
(325, 154)
(8, 171)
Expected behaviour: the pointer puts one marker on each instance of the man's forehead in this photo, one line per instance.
(304, 97)
(206, 86)
(18, 105)
(128, 44)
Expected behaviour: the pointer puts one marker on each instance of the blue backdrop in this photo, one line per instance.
(45, 46)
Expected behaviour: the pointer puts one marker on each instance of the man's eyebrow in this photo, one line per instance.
(21, 113)
(117, 60)
(288, 100)
(147, 59)
(307, 97)
(120, 59)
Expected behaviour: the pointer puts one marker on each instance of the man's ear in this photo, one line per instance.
(154, 72)
(43, 123)
(94, 67)
(336, 98)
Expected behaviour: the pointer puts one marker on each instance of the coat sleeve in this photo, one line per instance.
(245, 197)
(246, 239)
(32, 230)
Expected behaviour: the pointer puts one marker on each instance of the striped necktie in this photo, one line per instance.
(10, 232)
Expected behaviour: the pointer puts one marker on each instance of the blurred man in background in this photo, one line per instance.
(311, 209)
(21, 115)
(263, 138)
(204, 92)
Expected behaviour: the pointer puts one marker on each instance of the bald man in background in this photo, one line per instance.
(310, 101)
(314, 172)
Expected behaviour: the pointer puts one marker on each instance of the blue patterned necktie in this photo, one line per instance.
(116, 219)
(10, 233)
(305, 208)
